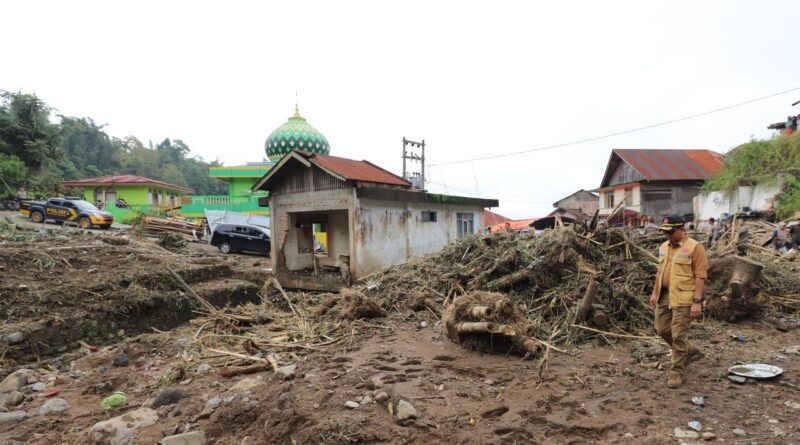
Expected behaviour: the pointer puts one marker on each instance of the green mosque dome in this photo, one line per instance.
(295, 134)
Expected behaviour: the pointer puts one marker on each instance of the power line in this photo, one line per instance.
(619, 133)
(447, 188)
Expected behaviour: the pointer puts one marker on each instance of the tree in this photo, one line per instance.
(12, 172)
(26, 131)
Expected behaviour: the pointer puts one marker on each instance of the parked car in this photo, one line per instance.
(67, 209)
(241, 238)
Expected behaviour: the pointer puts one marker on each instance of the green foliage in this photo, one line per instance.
(78, 148)
(12, 172)
(764, 161)
(789, 200)
(758, 161)
(133, 218)
(171, 241)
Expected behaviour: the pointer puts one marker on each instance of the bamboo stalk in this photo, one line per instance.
(612, 334)
(481, 311)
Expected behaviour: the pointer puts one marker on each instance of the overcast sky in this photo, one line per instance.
(471, 78)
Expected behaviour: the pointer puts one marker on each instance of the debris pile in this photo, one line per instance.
(573, 284)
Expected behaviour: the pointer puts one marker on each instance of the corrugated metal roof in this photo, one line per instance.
(491, 218)
(123, 180)
(353, 170)
(672, 165)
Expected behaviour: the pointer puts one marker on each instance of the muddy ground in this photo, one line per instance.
(603, 391)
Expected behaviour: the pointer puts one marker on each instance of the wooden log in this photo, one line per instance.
(531, 346)
(504, 308)
(475, 327)
(587, 300)
(508, 281)
(600, 320)
(258, 367)
(745, 273)
(481, 311)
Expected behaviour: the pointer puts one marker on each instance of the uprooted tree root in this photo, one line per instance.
(350, 304)
(488, 322)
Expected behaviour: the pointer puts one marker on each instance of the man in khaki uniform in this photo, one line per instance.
(678, 293)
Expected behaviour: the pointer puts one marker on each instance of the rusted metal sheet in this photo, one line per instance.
(358, 170)
(672, 165)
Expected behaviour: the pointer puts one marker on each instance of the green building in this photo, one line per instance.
(139, 194)
(239, 198)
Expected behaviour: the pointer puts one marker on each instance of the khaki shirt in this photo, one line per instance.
(699, 262)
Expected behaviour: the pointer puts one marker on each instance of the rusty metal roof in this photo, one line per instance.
(353, 170)
(666, 165)
(124, 180)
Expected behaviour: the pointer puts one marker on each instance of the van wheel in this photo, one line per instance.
(85, 223)
(225, 248)
(37, 217)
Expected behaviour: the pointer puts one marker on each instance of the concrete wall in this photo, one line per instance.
(389, 233)
(284, 208)
(712, 205)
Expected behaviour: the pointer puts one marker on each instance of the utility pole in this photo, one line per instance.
(412, 156)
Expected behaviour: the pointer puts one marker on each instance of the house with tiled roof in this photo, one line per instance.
(372, 219)
(652, 183)
(121, 194)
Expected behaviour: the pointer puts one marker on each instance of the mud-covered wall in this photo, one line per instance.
(388, 232)
(285, 252)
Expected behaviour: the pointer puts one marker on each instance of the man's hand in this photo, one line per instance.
(697, 310)
(653, 301)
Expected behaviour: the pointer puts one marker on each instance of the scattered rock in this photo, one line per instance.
(792, 405)
(695, 425)
(374, 383)
(12, 398)
(366, 400)
(118, 430)
(737, 378)
(37, 387)
(739, 432)
(423, 324)
(381, 397)
(191, 438)
(12, 417)
(14, 338)
(405, 411)
(169, 397)
(17, 379)
(120, 361)
(681, 434)
(54, 406)
(245, 385)
(184, 342)
(778, 431)
(212, 404)
(795, 349)
(204, 367)
(771, 420)
(709, 436)
(351, 404)
(699, 400)
(629, 436)
(286, 372)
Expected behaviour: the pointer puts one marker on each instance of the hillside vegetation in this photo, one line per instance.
(39, 149)
(764, 161)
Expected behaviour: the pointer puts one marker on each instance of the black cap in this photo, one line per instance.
(671, 223)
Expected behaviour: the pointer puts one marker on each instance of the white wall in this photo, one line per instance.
(714, 204)
(619, 196)
(389, 233)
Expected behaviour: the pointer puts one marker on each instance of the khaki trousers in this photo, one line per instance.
(673, 326)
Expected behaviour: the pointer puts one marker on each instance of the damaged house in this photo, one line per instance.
(372, 219)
